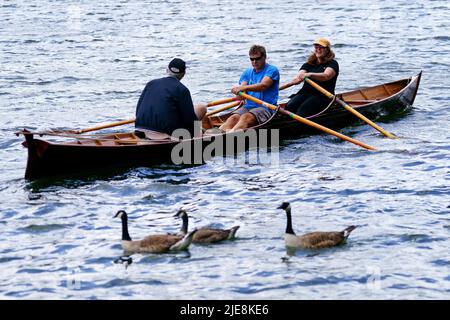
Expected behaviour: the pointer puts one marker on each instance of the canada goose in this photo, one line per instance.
(313, 240)
(157, 243)
(206, 235)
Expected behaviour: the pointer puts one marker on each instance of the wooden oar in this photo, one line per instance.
(114, 124)
(306, 121)
(120, 123)
(228, 106)
(346, 106)
(221, 101)
(286, 85)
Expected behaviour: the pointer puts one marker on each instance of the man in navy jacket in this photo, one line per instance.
(166, 104)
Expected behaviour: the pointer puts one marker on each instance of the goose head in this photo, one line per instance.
(285, 206)
(121, 214)
(181, 213)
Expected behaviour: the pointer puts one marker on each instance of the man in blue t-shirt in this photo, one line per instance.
(262, 82)
(166, 104)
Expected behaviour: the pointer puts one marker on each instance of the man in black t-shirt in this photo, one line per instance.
(166, 104)
(322, 69)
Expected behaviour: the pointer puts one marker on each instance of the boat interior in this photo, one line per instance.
(354, 98)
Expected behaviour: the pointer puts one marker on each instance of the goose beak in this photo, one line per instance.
(179, 213)
(284, 205)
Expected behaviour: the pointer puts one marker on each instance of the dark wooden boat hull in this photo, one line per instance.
(49, 158)
(45, 158)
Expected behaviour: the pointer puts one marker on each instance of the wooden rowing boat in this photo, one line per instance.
(49, 158)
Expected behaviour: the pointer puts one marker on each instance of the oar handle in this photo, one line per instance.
(221, 101)
(229, 106)
(287, 85)
(306, 121)
(347, 107)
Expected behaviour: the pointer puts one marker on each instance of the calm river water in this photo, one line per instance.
(76, 64)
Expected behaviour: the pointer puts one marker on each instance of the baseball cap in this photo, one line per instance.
(323, 42)
(177, 65)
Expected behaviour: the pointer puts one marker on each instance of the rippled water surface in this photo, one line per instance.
(77, 64)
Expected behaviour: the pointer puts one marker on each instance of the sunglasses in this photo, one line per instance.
(256, 59)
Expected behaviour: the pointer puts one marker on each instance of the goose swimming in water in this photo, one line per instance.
(157, 243)
(206, 235)
(313, 240)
